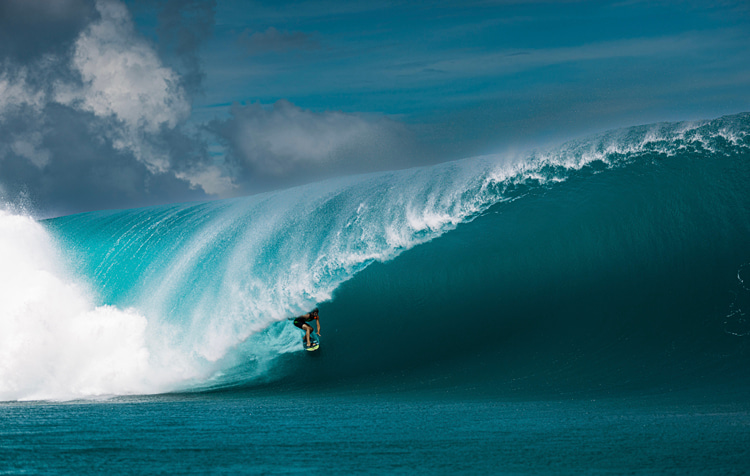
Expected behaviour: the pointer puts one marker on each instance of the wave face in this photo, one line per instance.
(617, 260)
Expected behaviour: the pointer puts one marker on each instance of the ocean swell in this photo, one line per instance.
(196, 295)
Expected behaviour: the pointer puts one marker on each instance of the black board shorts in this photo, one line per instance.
(300, 321)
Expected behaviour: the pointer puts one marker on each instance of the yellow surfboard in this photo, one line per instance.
(314, 341)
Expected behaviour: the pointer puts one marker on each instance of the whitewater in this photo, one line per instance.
(196, 296)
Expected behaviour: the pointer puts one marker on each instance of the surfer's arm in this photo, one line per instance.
(317, 321)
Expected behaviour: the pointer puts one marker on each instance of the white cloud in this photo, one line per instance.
(30, 147)
(210, 178)
(16, 93)
(17, 97)
(124, 79)
(117, 94)
(277, 140)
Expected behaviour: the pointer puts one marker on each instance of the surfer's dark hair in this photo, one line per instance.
(314, 311)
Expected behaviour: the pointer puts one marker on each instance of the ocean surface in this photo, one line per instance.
(582, 309)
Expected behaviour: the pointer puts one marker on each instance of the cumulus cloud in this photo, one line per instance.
(276, 140)
(98, 125)
(103, 120)
(284, 141)
(213, 180)
(124, 79)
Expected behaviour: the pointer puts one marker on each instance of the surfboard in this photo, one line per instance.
(313, 340)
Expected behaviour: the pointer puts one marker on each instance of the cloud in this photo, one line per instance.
(268, 145)
(124, 80)
(183, 26)
(29, 28)
(98, 125)
(273, 40)
(30, 147)
(277, 140)
(16, 93)
(105, 121)
(21, 127)
(212, 180)
(460, 63)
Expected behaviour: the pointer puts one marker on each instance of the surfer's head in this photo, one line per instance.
(314, 312)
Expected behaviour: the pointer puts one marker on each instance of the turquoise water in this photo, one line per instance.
(578, 310)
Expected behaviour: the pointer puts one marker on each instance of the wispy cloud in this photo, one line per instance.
(16, 93)
(462, 63)
(273, 40)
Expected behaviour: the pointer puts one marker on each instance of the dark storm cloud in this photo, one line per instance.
(183, 26)
(29, 28)
(83, 171)
(273, 40)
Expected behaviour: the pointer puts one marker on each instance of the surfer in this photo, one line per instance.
(302, 323)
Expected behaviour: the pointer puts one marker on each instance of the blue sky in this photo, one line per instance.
(541, 69)
(112, 104)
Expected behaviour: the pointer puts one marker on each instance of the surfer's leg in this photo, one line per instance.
(307, 329)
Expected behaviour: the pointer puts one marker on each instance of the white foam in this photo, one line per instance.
(55, 343)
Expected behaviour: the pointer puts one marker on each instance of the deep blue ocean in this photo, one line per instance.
(581, 309)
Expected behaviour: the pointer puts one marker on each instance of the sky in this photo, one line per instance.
(120, 104)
